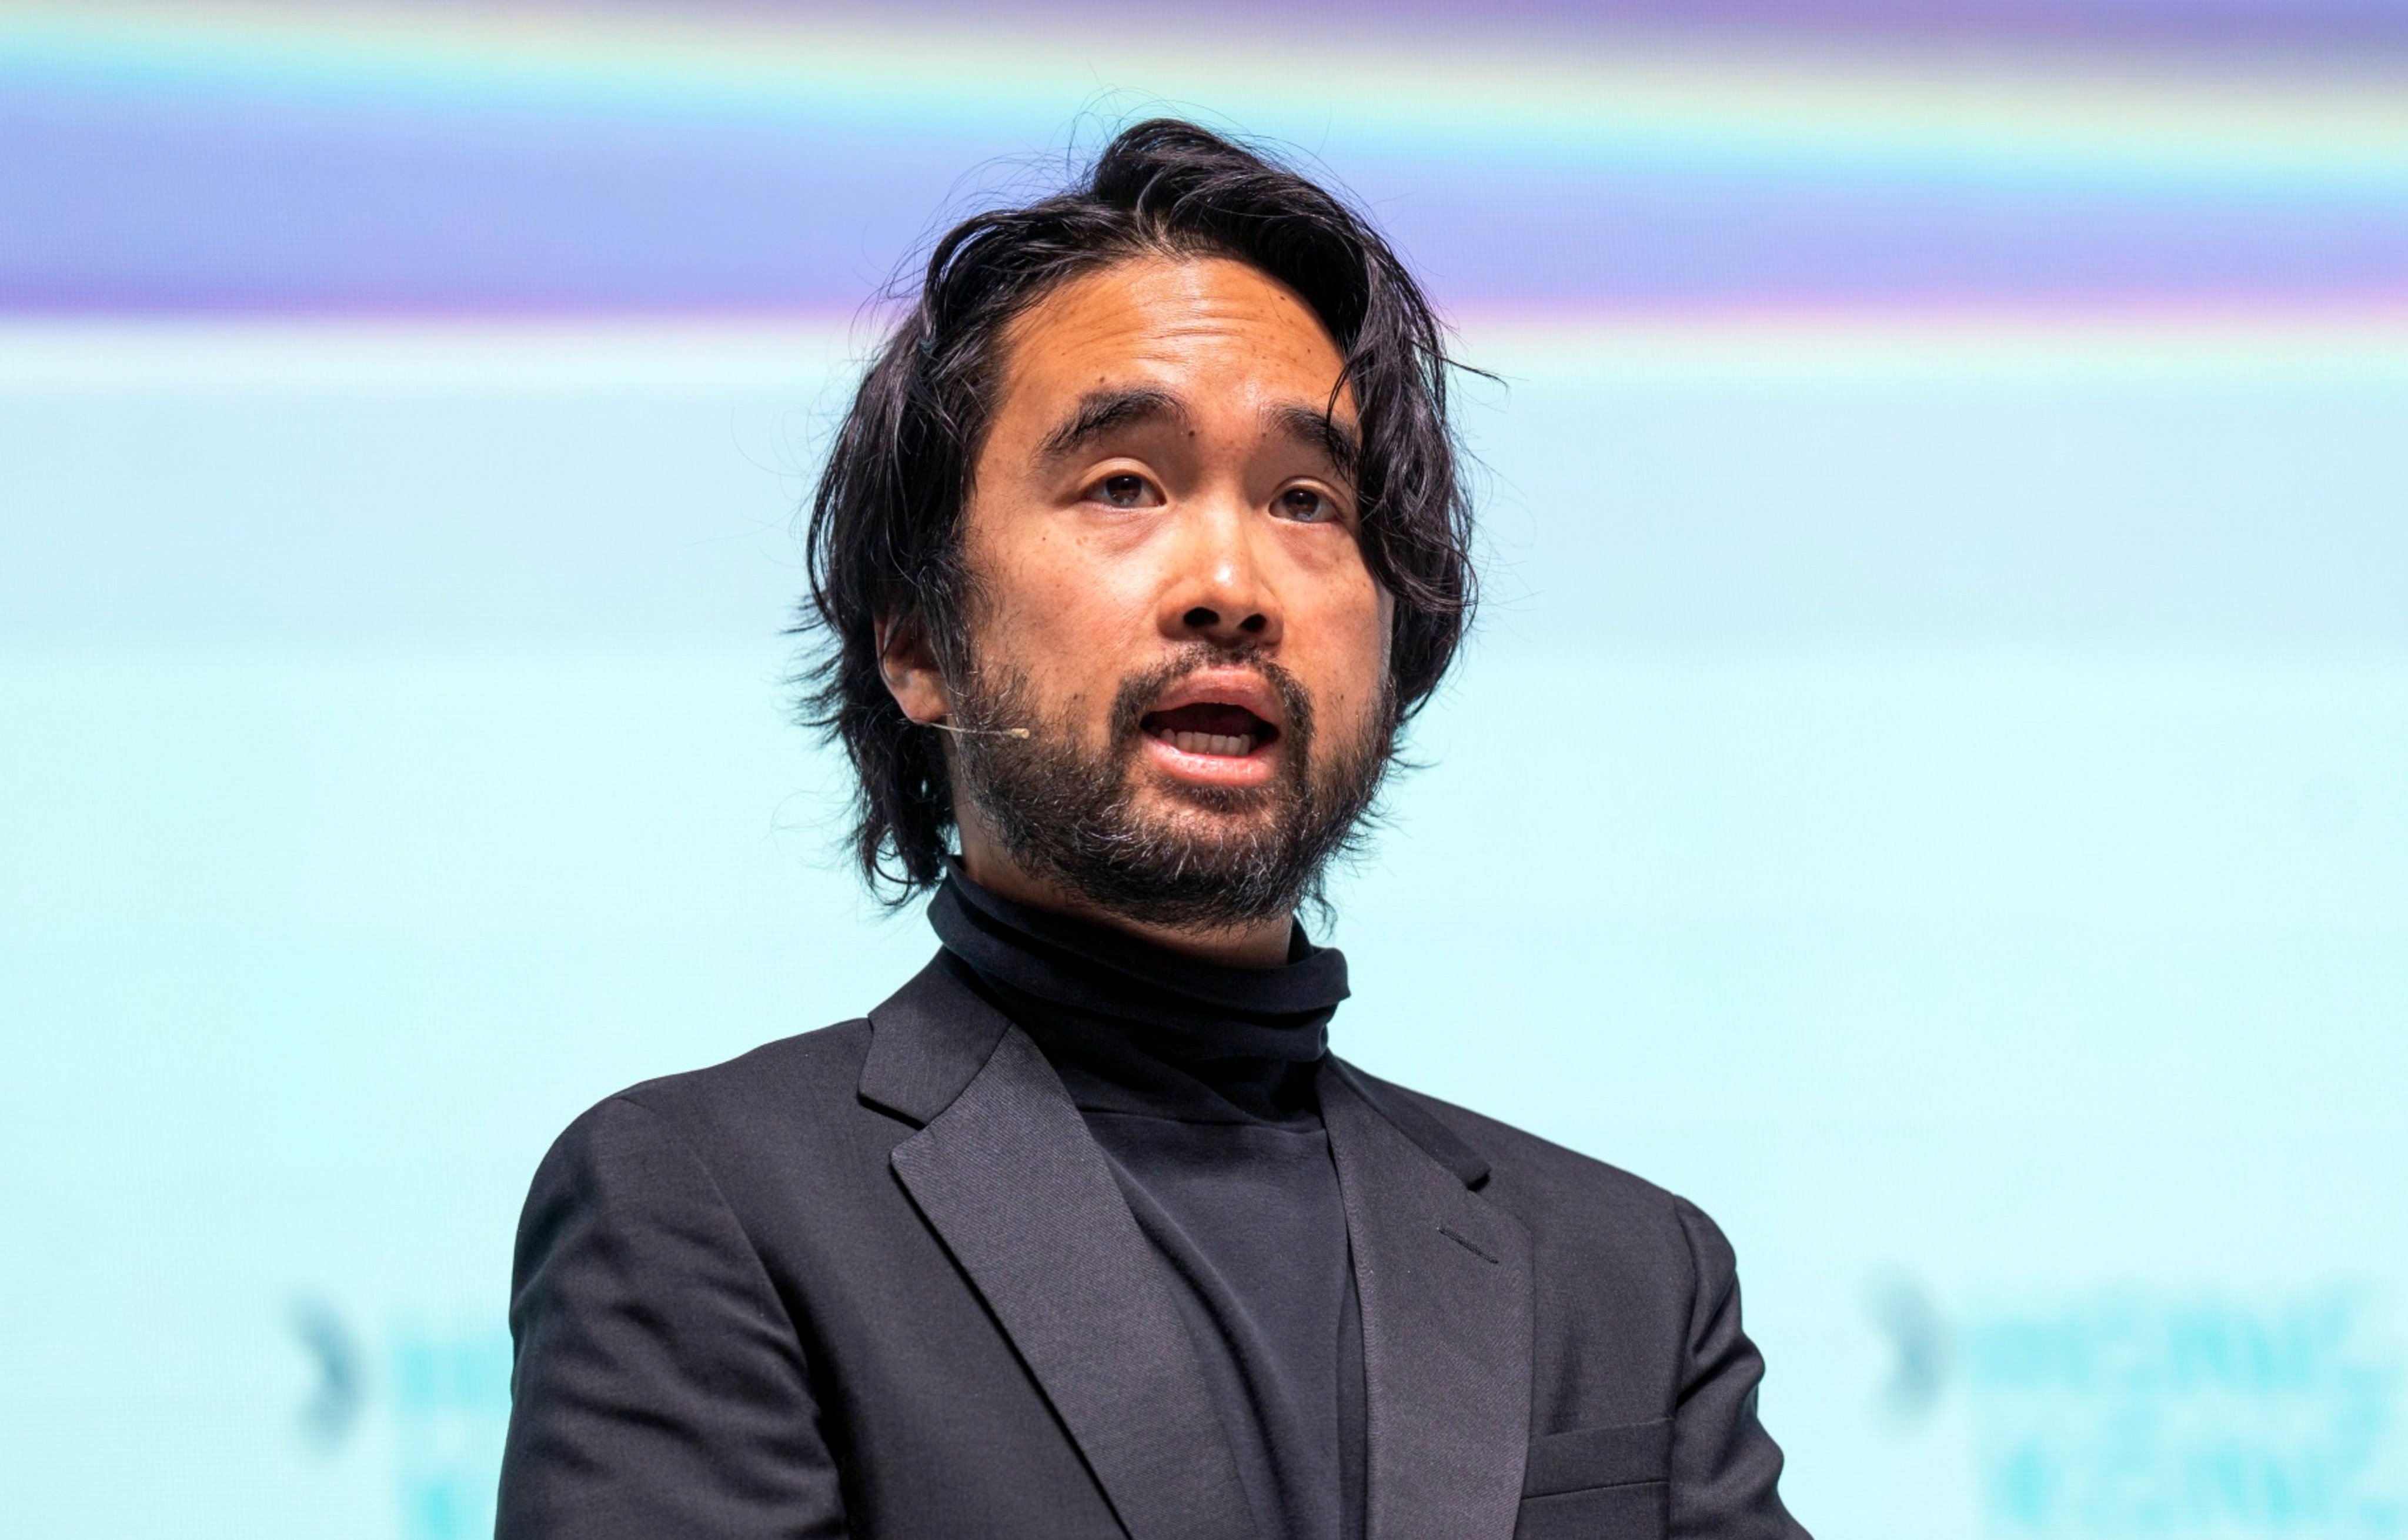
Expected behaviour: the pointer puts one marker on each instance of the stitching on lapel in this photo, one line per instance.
(1459, 1238)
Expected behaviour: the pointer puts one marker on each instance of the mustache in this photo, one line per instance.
(1139, 691)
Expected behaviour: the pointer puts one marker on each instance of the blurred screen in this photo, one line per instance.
(1930, 784)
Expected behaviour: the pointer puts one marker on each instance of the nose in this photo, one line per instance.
(1220, 593)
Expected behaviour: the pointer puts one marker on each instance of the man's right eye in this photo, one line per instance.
(1124, 490)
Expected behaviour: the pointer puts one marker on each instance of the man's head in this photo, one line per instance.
(1142, 538)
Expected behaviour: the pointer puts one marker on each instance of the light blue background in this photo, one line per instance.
(1945, 808)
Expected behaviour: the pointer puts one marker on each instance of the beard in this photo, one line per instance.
(1217, 857)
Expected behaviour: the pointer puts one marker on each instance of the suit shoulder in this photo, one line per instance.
(774, 1091)
(1523, 1162)
(807, 1062)
(1628, 1240)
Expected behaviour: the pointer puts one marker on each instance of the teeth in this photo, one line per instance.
(1209, 743)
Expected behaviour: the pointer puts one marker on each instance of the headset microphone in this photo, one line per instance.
(978, 732)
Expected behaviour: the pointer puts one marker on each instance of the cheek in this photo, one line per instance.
(1355, 623)
(1067, 616)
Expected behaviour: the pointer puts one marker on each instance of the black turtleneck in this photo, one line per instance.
(1197, 1082)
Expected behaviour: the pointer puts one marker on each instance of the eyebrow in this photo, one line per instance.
(1102, 411)
(1321, 431)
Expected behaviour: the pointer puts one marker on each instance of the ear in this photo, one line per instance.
(909, 666)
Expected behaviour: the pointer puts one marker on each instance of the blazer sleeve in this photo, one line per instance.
(1726, 1468)
(658, 1386)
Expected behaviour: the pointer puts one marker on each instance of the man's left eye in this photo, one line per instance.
(1124, 491)
(1306, 504)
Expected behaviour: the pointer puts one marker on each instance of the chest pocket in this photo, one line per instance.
(1599, 1484)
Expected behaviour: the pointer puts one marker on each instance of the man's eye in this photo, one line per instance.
(1306, 505)
(1123, 492)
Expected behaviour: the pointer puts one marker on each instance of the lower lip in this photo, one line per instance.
(1236, 770)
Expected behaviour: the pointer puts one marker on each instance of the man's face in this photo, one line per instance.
(1170, 595)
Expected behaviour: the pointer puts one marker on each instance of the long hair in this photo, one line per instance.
(885, 537)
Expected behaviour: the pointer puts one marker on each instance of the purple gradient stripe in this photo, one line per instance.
(145, 205)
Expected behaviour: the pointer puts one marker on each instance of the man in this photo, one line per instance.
(1143, 536)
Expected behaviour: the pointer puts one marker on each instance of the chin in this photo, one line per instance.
(1225, 809)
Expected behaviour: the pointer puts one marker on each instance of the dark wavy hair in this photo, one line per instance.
(884, 534)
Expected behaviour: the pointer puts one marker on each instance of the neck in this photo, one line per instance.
(1261, 943)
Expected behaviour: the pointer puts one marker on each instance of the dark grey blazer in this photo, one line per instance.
(878, 1280)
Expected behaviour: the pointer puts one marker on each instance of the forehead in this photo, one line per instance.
(1207, 328)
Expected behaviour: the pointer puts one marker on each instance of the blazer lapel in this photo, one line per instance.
(1444, 1279)
(1007, 1175)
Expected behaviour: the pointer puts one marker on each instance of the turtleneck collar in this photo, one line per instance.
(1136, 1026)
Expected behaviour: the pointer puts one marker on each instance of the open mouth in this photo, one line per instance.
(1210, 727)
